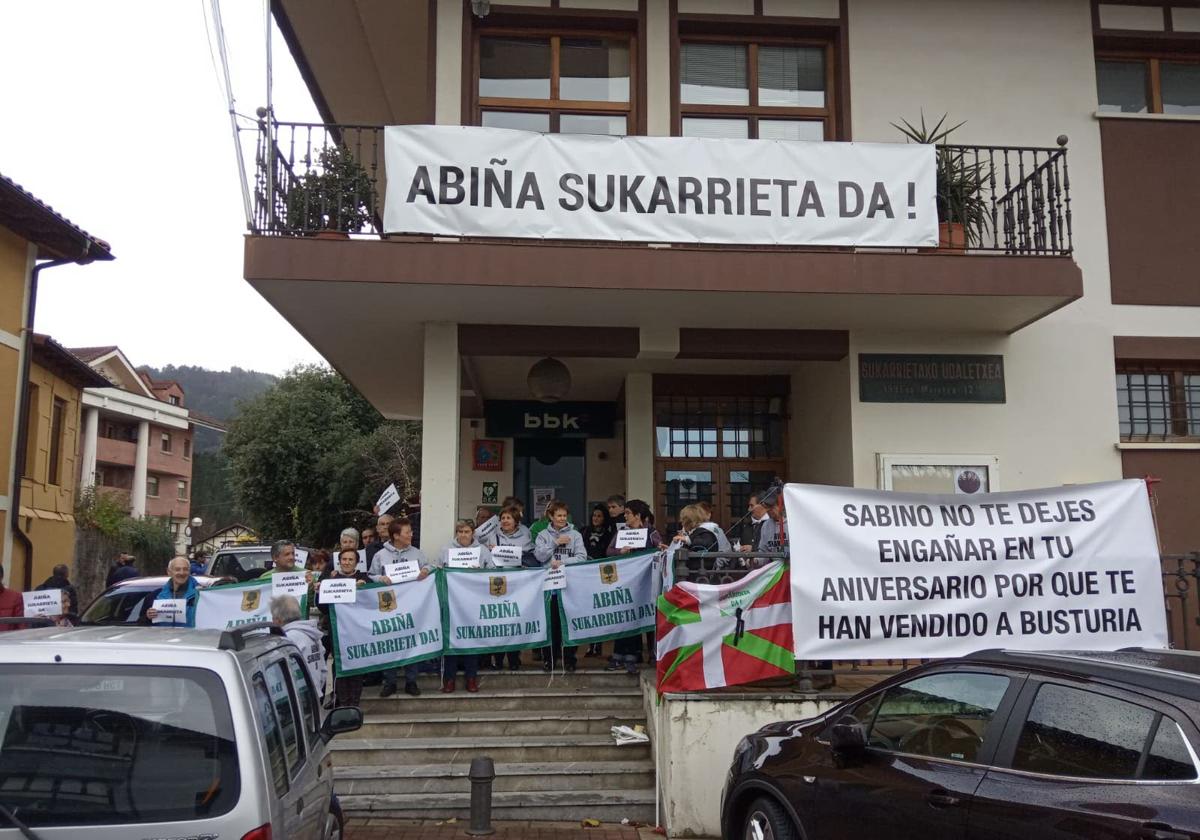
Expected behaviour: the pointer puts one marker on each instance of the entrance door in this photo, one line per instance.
(726, 484)
(558, 466)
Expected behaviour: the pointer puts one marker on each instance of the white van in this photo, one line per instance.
(146, 732)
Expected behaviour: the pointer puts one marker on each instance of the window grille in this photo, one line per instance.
(1158, 403)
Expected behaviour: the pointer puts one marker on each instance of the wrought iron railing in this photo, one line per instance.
(1181, 590)
(314, 177)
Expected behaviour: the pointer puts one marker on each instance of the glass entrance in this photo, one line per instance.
(555, 467)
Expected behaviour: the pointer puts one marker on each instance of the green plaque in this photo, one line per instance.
(491, 492)
(930, 378)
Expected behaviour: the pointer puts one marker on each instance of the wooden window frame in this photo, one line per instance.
(1153, 60)
(753, 112)
(555, 107)
(1178, 404)
(58, 430)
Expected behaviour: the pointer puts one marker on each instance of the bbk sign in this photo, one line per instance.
(516, 418)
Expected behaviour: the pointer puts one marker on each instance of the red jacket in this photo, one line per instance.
(11, 604)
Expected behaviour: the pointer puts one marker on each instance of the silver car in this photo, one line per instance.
(145, 732)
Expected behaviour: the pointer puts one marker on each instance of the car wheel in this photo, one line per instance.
(335, 823)
(766, 820)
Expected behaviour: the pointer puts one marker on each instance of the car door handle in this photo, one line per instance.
(300, 805)
(942, 799)
(1161, 831)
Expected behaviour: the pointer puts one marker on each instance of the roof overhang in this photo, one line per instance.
(55, 236)
(121, 402)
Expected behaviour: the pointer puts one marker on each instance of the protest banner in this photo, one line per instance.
(489, 611)
(879, 575)
(607, 599)
(387, 499)
(171, 611)
(234, 604)
(386, 626)
(475, 181)
(337, 591)
(42, 602)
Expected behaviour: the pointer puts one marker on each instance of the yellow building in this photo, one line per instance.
(40, 387)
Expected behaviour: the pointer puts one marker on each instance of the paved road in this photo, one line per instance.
(359, 829)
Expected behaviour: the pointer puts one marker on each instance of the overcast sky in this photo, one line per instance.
(115, 117)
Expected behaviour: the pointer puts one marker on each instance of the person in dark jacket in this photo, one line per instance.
(347, 691)
(60, 579)
(693, 534)
(597, 534)
(124, 569)
(627, 651)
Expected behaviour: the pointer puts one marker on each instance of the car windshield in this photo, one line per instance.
(120, 605)
(111, 745)
(241, 565)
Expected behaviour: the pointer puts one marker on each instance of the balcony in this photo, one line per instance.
(115, 451)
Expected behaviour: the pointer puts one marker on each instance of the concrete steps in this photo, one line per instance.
(549, 737)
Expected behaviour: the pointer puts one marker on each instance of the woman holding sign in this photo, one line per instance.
(464, 553)
(180, 586)
(559, 544)
(639, 535)
(511, 545)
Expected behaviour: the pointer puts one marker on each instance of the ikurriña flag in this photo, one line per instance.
(713, 635)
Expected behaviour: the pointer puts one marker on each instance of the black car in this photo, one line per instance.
(994, 745)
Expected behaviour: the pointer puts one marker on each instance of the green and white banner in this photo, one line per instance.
(493, 610)
(235, 604)
(387, 626)
(607, 599)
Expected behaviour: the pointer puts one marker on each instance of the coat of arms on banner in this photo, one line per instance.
(387, 600)
(498, 586)
(250, 599)
(608, 573)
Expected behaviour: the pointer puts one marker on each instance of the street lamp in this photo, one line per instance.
(191, 528)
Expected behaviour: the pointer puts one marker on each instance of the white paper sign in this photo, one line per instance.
(555, 579)
(632, 538)
(47, 602)
(657, 189)
(507, 555)
(542, 496)
(289, 583)
(338, 591)
(878, 575)
(387, 499)
(170, 611)
(301, 557)
(405, 570)
(463, 558)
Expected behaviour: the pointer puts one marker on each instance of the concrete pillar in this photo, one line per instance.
(137, 497)
(639, 438)
(91, 430)
(439, 436)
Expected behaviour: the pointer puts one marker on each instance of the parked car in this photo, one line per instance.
(243, 562)
(993, 745)
(118, 732)
(126, 600)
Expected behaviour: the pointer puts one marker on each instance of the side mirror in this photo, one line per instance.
(340, 720)
(848, 736)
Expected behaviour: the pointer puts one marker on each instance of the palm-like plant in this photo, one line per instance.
(961, 180)
(337, 194)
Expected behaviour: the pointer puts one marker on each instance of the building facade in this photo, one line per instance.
(40, 385)
(1059, 343)
(136, 440)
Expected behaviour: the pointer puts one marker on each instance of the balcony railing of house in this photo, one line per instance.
(313, 177)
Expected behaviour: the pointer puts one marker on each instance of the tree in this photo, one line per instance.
(310, 455)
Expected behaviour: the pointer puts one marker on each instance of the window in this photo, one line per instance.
(305, 694)
(568, 84)
(111, 745)
(1070, 732)
(172, 399)
(58, 421)
(941, 716)
(32, 394)
(1169, 758)
(182, 490)
(166, 441)
(1148, 85)
(271, 734)
(285, 713)
(187, 448)
(152, 486)
(769, 91)
(962, 474)
(1158, 403)
(719, 427)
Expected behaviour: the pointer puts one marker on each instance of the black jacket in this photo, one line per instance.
(596, 540)
(56, 582)
(702, 539)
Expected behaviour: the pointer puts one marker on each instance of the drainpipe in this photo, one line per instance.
(22, 419)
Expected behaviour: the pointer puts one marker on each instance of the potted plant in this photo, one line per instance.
(962, 210)
(334, 198)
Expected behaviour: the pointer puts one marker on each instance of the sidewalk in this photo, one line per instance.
(382, 829)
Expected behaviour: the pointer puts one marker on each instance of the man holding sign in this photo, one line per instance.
(175, 604)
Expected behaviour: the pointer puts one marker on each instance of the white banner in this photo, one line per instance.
(223, 607)
(878, 575)
(464, 180)
(489, 610)
(606, 599)
(386, 627)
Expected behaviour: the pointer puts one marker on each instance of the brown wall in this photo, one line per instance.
(1151, 180)
(1177, 493)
